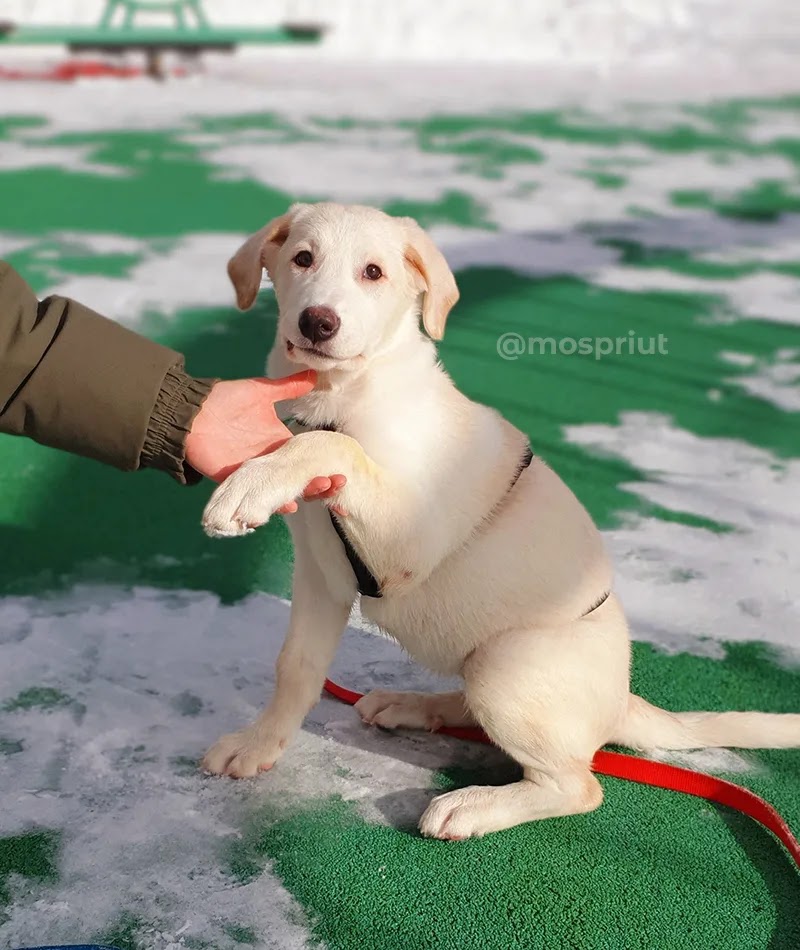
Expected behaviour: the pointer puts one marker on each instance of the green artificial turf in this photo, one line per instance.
(649, 869)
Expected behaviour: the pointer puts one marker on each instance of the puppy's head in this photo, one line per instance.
(345, 278)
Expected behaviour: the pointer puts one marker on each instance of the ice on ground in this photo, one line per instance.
(302, 87)
(167, 275)
(738, 584)
(28, 154)
(114, 696)
(377, 162)
(759, 296)
(548, 212)
(706, 760)
(602, 33)
(776, 381)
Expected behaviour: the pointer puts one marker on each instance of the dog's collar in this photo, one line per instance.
(525, 461)
(366, 582)
(323, 426)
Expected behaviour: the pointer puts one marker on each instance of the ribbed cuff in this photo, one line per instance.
(178, 403)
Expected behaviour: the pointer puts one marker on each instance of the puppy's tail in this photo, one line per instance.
(648, 727)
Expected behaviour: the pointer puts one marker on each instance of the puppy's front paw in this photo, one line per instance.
(243, 754)
(243, 502)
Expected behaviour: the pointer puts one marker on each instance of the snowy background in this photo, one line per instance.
(598, 32)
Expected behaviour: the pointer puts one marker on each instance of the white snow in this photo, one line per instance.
(602, 33)
(777, 382)
(169, 274)
(759, 296)
(152, 678)
(189, 274)
(380, 161)
(381, 91)
(538, 217)
(680, 583)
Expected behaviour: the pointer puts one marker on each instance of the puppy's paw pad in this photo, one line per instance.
(242, 755)
(244, 501)
(228, 529)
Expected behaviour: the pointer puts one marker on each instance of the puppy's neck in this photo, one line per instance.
(395, 380)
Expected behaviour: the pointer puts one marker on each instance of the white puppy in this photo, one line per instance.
(476, 558)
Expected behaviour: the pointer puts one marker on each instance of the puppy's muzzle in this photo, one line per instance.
(319, 324)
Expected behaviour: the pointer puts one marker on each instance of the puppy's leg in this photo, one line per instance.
(550, 698)
(315, 628)
(397, 529)
(428, 711)
(373, 508)
(248, 497)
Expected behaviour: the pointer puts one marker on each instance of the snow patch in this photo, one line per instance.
(189, 273)
(777, 382)
(376, 163)
(304, 86)
(760, 296)
(25, 154)
(603, 33)
(713, 761)
(740, 584)
(146, 680)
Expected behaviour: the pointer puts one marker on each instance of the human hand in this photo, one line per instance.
(238, 422)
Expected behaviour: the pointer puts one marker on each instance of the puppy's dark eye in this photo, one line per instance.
(304, 258)
(373, 272)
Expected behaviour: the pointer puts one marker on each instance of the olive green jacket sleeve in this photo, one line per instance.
(72, 379)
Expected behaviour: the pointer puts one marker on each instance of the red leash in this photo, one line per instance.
(647, 772)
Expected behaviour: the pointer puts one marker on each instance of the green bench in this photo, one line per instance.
(154, 40)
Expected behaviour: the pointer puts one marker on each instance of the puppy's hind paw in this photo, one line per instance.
(464, 813)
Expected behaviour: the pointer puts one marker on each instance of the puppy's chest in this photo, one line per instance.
(438, 639)
(389, 597)
(388, 430)
(389, 444)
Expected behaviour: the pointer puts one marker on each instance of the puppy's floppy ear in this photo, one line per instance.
(432, 276)
(257, 252)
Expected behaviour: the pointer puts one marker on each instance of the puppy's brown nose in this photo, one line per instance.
(318, 324)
